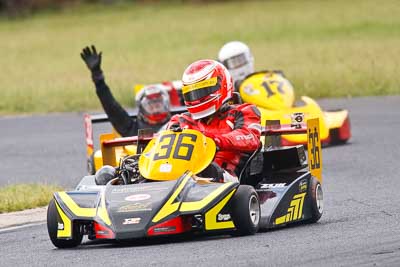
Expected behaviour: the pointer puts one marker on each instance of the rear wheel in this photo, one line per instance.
(52, 227)
(341, 135)
(317, 198)
(91, 168)
(246, 212)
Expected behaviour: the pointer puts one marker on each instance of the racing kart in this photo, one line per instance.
(169, 189)
(274, 96)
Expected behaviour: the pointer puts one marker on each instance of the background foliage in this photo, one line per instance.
(17, 8)
(326, 48)
(25, 196)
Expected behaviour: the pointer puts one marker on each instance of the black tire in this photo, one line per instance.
(91, 168)
(52, 226)
(317, 200)
(246, 212)
(334, 136)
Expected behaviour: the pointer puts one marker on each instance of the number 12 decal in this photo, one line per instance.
(267, 87)
(181, 150)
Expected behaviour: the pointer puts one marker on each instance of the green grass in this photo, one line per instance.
(326, 48)
(25, 196)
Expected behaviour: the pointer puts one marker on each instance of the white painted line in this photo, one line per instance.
(30, 216)
(20, 226)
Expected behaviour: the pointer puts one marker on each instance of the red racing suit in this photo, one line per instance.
(235, 129)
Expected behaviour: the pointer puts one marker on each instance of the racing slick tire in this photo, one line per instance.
(340, 136)
(52, 227)
(246, 212)
(317, 200)
(91, 168)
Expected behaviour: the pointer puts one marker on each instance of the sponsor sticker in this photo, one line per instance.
(60, 226)
(206, 83)
(165, 167)
(135, 207)
(303, 185)
(131, 221)
(122, 190)
(270, 186)
(297, 119)
(165, 229)
(138, 197)
(223, 217)
(295, 210)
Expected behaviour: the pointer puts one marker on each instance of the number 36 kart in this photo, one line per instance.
(169, 188)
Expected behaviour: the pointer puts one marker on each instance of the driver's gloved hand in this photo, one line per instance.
(93, 62)
(175, 127)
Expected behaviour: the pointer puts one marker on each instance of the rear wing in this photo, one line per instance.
(273, 130)
(89, 120)
(108, 144)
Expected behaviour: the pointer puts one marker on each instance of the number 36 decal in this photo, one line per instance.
(181, 149)
(313, 140)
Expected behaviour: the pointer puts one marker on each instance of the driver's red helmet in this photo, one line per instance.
(207, 85)
(153, 104)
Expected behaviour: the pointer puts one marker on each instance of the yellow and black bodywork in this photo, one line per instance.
(274, 96)
(95, 156)
(174, 199)
(130, 211)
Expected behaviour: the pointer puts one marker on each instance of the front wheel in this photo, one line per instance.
(52, 227)
(246, 211)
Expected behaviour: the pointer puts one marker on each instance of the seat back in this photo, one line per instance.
(236, 98)
(246, 170)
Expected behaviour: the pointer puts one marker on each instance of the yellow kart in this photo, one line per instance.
(170, 189)
(95, 156)
(273, 94)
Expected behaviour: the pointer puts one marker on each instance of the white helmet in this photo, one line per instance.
(237, 58)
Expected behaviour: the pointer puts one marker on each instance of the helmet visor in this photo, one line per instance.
(236, 61)
(154, 105)
(196, 94)
(199, 94)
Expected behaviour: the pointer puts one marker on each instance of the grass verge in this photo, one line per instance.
(25, 196)
(326, 48)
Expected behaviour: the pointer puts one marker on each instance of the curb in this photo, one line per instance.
(17, 218)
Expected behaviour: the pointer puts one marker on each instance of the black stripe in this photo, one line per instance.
(239, 120)
(223, 111)
(256, 111)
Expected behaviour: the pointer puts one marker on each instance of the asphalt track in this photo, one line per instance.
(360, 226)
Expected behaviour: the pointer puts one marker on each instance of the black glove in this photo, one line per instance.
(175, 127)
(93, 62)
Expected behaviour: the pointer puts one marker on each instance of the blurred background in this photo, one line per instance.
(326, 48)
